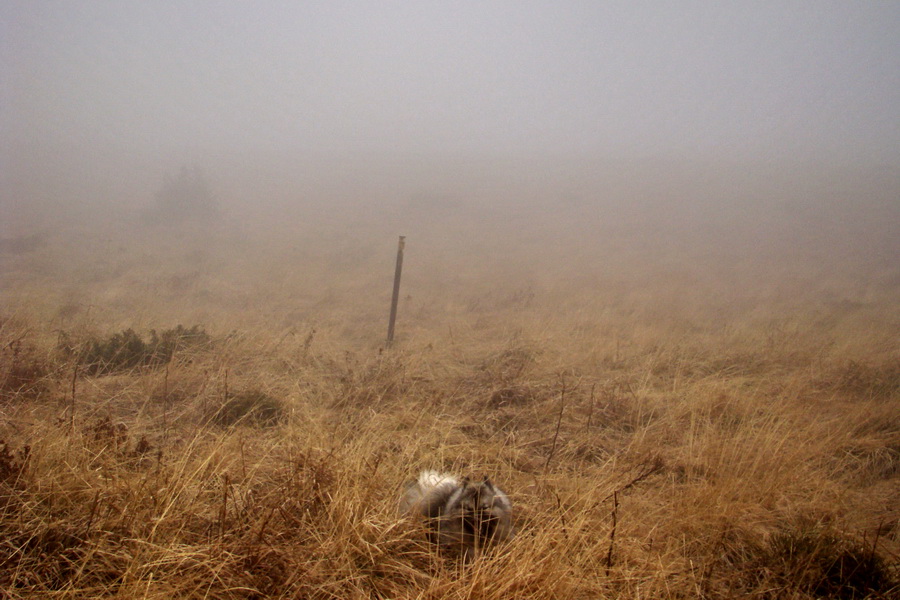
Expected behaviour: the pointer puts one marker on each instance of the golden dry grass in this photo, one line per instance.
(668, 427)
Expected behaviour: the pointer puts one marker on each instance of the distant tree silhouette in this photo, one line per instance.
(184, 197)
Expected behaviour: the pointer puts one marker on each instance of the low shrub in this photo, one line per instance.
(250, 407)
(127, 350)
(813, 559)
(22, 372)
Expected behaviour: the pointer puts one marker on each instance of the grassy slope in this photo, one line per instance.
(714, 427)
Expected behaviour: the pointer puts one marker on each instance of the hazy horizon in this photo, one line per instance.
(496, 105)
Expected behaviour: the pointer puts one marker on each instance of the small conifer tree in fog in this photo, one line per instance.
(185, 197)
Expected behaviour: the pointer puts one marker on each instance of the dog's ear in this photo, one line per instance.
(487, 483)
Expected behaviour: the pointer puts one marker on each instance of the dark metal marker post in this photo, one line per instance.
(396, 296)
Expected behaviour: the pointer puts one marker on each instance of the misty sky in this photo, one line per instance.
(99, 87)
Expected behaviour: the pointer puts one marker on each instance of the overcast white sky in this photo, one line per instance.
(136, 86)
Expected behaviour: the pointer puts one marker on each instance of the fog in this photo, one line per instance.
(732, 125)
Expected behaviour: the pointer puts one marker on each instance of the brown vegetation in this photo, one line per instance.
(670, 431)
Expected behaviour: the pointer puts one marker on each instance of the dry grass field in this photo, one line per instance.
(701, 414)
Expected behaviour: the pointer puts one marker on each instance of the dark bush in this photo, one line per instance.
(186, 197)
(167, 342)
(813, 559)
(127, 350)
(22, 372)
(250, 407)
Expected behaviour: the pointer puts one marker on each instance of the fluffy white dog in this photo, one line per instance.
(463, 516)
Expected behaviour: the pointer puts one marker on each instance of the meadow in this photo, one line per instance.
(211, 411)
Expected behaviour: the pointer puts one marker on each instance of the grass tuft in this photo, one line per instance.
(251, 407)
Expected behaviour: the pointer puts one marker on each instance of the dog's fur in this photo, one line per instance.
(463, 516)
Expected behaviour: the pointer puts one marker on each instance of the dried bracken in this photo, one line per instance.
(655, 441)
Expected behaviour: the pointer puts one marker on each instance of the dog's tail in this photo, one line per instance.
(417, 492)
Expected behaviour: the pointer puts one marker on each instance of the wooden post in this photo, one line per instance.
(396, 297)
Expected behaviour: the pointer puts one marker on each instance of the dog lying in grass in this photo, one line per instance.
(463, 516)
